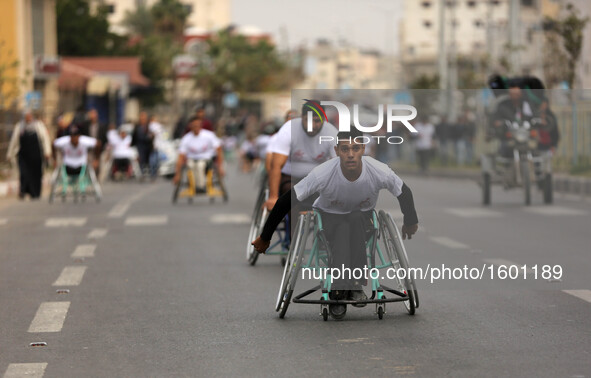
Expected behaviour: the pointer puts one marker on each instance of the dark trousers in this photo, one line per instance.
(424, 156)
(347, 235)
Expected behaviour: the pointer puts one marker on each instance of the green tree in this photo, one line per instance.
(81, 32)
(570, 29)
(233, 62)
(140, 22)
(170, 17)
(10, 83)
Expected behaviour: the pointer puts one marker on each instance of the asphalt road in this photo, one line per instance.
(164, 291)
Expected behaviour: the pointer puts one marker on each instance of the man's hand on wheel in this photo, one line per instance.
(261, 245)
(221, 171)
(409, 231)
(270, 203)
(176, 179)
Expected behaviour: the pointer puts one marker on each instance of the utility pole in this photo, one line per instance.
(514, 36)
(443, 82)
(489, 38)
(453, 60)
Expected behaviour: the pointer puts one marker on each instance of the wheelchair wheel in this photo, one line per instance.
(177, 188)
(399, 260)
(259, 215)
(54, 179)
(486, 188)
(524, 169)
(220, 182)
(98, 194)
(291, 269)
(548, 197)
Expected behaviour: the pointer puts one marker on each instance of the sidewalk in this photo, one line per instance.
(563, 183)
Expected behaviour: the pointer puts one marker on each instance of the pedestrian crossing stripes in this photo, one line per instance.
(33, 370)
(84, 250)
(581, 294)
(50, 317)
(65, 222)
(155, 220)
(474, 212)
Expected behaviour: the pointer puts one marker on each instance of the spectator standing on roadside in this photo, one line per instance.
(30, 147)
(424, 142)
(442, 134)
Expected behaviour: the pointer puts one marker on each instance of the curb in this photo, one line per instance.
(563, 183)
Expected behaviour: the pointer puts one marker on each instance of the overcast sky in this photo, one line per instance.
(365, 23)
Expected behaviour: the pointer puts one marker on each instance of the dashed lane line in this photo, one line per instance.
(449, 243)
(34, 370)
(230, 219)
(50, 317)
(65, 222)
(97, 233)
(151, 220)
(122, 206)
(474, 212)
(70, 276)
(84, 250)
(555, 211)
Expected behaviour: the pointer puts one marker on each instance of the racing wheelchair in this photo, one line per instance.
(186, 187)
(384, 250)
(280, 244)
(79, 185)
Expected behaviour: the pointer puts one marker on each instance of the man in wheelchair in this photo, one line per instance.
(199, 150)
(74, 149)
(348, 189)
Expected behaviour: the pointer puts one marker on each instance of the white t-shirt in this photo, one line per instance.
(75, 156)
(156, 128)
(425, 137)
(121, 146)
(202, 146)
(261, 142)
(341, 196)
(304, 152)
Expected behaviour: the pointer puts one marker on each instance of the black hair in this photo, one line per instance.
(349, 135)
(192, 119)
(314, 104)
(74, 130)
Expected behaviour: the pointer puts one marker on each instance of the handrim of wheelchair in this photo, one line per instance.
(78, 186)
(309, 249)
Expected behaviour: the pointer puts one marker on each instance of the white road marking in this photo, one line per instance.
(25, 370)
(65, 222)
(84, 250)
(449, 243)
(122, 206)
(50, 317)
(119, 210)
(154, 220)
(474, 212)
(97, 233)
(582, 294)
(555, 210)
(230, 219)
(70, 276)
(3, 221)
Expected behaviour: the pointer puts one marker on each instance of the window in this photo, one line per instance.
(471, 3)
(427, 24)
(426, 4)
(188, 8)
(478, 23)
(110, 8)
(528, 3)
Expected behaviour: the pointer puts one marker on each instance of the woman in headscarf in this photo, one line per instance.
(30, 144)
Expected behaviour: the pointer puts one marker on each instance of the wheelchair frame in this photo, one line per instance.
(214, 185)
(384, 235)
(280, 247)
(85, 179)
